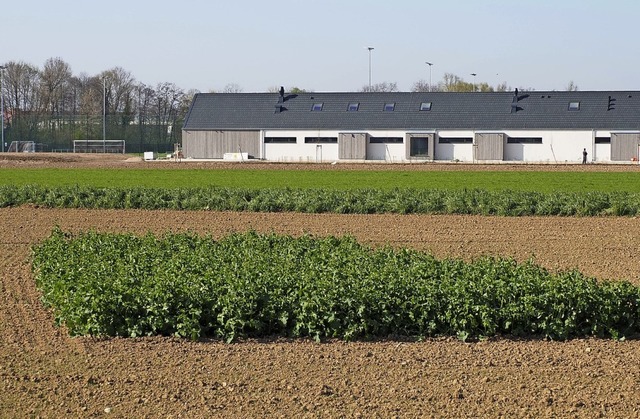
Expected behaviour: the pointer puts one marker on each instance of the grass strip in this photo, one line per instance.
(324, 177)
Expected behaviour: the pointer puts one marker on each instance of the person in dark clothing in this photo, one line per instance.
(584, 156)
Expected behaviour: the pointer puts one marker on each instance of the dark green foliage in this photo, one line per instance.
(352, 201)
(252, 285)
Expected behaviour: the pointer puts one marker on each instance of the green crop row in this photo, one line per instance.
(254, 285)
(356, 201)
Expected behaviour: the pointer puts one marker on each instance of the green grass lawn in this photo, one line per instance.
(335, 179)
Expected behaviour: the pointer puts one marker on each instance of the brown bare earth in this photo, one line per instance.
(46, 373)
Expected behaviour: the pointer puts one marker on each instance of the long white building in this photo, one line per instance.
(536, 127)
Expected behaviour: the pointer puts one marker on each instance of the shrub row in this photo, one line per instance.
(359, 201)
(253, 285)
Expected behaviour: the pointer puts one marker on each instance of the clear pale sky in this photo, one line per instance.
(321, 45)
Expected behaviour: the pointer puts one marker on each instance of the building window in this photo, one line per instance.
(455, 140)
(280, 140)
(389, 107)
(574, 106)
(321, 140)
(353, 106)
(385, 140)
(524, 140)
(425, 106)
(317, 106)
(419, 146)
(603, 140)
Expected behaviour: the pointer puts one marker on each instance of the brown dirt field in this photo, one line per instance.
(45, 373)
(68, 160)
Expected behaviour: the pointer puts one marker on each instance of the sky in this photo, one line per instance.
(321, 45)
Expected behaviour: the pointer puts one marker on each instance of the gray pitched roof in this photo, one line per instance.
(479, 111)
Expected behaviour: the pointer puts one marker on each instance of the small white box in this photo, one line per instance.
(235, 156)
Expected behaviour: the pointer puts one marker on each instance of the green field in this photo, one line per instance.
(327, 179)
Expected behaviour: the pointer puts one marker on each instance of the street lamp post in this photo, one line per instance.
(429, 64)
(370, 49)
(2, 68)
(474, 81)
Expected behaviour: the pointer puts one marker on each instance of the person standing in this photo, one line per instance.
(584, 156)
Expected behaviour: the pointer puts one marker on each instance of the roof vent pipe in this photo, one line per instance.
(280, 105)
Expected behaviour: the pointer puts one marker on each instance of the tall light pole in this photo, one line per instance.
(429, 64)
(474, 81)
(104, 115)
(2, 68)
(370, 49)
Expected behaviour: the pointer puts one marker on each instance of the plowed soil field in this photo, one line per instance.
(46, 373)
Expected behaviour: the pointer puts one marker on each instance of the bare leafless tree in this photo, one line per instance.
(21, 81)
(119, 87)
(421, 86)
(54, 80)
(571, 87)
(232, 88)
(503, 87)
(166, 107)
(381, 87)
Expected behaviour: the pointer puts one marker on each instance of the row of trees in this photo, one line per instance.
(449, 83)
(452, 83)
(52, 107)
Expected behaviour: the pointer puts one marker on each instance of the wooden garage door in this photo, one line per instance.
(624, 146)
(352, 146)
(489, 146)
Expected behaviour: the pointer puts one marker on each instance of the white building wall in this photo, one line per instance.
(601, 152)
(389, 152)
(557, 146)
(454, 152)
(301, 152)
(315, 153)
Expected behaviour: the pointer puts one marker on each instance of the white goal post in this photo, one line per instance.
(99, 146)
(22, 147)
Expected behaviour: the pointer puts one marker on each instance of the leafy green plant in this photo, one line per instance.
(250, 284)
(353, 201)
